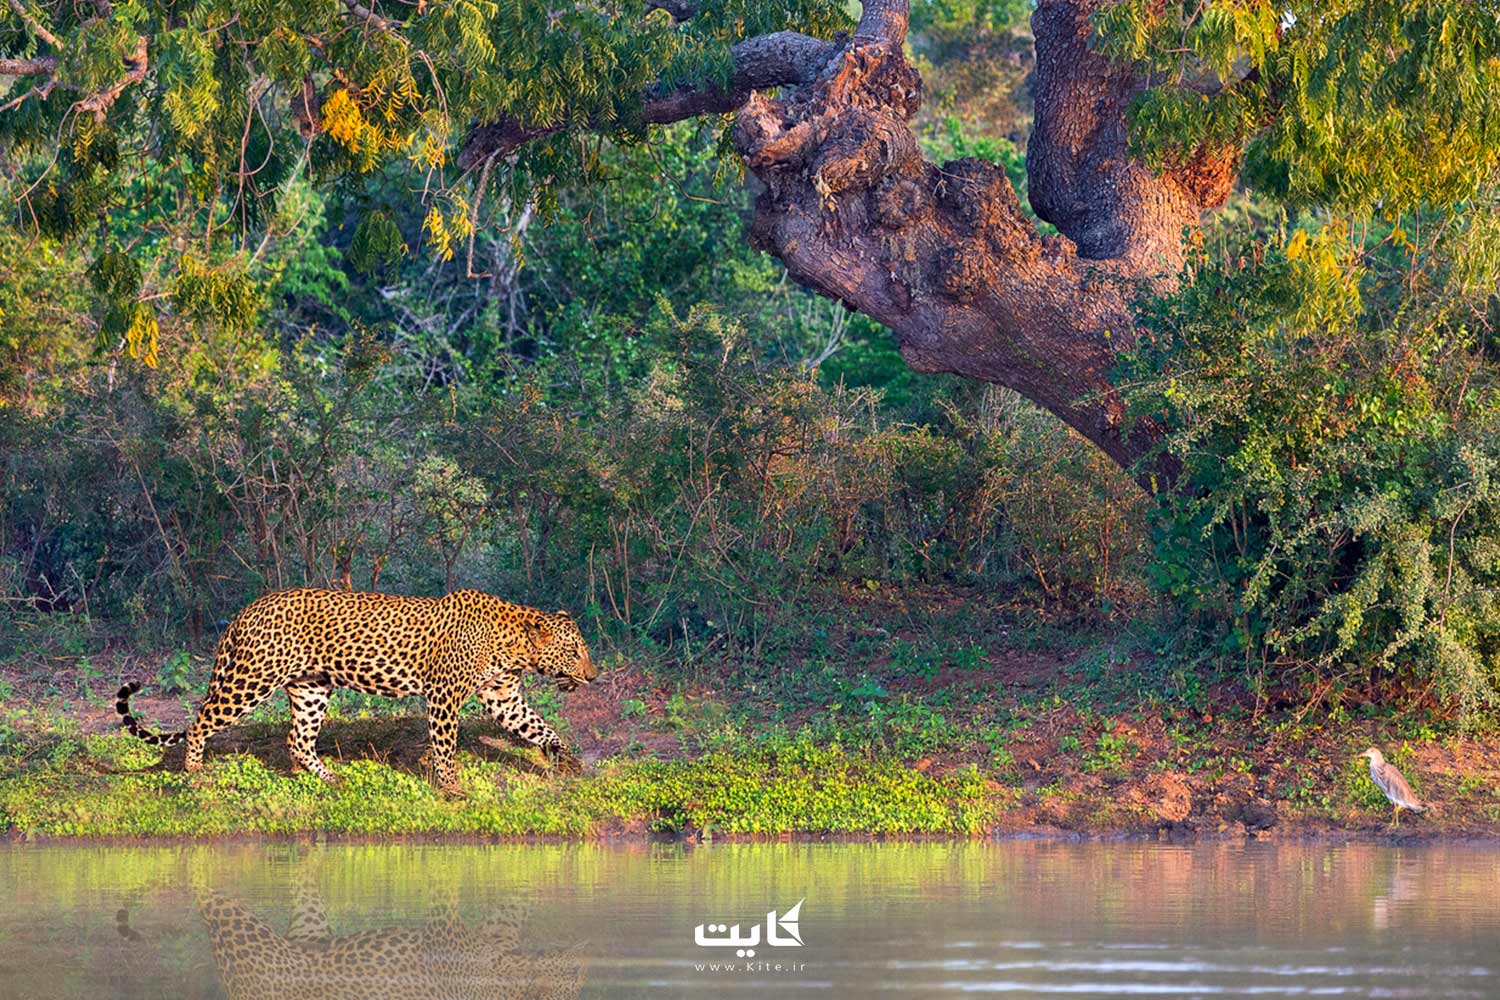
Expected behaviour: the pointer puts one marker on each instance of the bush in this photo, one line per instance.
(1332, 406)
(712, 497)
(587, 430)
(721, 491)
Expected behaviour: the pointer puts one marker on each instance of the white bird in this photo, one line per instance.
(1390, 781)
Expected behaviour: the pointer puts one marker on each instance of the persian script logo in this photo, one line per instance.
(722, 936)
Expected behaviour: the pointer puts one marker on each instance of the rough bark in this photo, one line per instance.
(944, 255)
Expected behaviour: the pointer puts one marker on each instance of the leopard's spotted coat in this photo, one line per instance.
(443, 649)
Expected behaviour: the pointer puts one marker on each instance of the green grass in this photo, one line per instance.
(791, 785)
(935, 722)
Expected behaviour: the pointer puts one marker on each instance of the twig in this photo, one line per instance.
(34, 24)
(139, 64)
(367, 15)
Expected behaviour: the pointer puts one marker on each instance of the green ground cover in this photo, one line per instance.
(950, 723)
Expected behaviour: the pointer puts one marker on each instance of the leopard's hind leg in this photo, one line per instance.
(229, 698)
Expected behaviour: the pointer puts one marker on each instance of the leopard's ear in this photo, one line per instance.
(562, 613)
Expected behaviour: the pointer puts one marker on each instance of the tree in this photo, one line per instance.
(169, 130)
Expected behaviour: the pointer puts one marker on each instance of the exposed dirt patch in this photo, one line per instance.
(600, 724)
(1053, 733)
(62, 686)
(1013, 672)
(1166, 796)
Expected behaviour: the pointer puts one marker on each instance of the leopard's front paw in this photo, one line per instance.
(562, 759)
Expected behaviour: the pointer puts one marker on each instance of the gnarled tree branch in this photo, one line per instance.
(36, 26)
(28, 67)
(1081, 176)
(944, 255)
(765, 61)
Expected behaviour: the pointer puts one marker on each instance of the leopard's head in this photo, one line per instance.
(560, 650)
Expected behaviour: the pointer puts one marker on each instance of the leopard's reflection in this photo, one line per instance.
(446, 957)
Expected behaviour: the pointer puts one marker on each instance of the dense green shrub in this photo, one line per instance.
(711, 498)
(579, 426)
(1332, 403)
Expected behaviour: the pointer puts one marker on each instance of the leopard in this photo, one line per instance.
(447, 956)
(308, 641)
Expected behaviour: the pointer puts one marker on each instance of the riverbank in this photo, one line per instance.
(775, 785)
(111, 786)
(956, 726)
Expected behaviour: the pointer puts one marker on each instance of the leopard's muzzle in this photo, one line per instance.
(586, 672)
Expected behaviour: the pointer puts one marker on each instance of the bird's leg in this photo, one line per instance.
(1397, 821)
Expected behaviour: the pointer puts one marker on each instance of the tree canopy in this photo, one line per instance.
(319, 278)
(165, 135)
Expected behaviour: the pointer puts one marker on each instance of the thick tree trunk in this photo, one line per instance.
(944, 255)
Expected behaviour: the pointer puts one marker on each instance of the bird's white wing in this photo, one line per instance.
(1397, 789)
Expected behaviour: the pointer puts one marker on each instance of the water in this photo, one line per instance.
(1012, 918)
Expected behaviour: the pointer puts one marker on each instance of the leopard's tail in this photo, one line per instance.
(134, 728)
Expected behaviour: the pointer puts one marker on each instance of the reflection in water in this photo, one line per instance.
(1404, 887)
(918, 919)
(446, 957)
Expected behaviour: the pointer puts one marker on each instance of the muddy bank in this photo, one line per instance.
(989, 741)
(105, 787)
